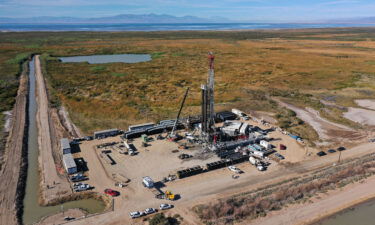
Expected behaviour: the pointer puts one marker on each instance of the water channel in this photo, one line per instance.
(33, 212)
(96, 59)
(362, 214)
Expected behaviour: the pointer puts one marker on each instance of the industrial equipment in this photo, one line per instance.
(208, 112)
(173, 135)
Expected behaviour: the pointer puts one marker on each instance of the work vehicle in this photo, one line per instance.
(234, 169)
(131, 152)
(148, 182)
(136, 214)
(77, 184)
(321, 153)
(165, 206)
(184, 156)
(111, 192)
(341, 148)
(331, 151)
(279, 156)
(150, 211)
(257, 163)
(81, 187)
(169, 195)
(261, 167)
(78, 177)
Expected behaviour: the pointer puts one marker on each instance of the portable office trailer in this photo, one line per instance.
(265, 144)
(134, 134)
(65, 146)
(106, 133)
(69, 164)
(141, 126)
(156, 129)
(224, 116)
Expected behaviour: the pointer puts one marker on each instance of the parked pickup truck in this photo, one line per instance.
(82, 187)
(78, 177)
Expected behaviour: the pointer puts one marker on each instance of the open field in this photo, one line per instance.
(304, 66)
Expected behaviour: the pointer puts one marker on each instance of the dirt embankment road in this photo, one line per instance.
(9, 175)
(53, 184)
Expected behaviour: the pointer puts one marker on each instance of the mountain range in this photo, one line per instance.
(122, 18)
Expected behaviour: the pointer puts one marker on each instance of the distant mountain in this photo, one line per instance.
(358, 20)
(122, 18)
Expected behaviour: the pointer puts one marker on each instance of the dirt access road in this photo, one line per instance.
(327, 130)
(9, 175)
(57, 184)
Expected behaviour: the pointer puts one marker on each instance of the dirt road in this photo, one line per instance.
(327, 130)
(9, 175)
(50, 178)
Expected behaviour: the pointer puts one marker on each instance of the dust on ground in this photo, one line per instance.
(362, 116)
(366, 103)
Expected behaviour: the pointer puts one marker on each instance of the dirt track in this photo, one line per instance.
(9, 175)
(49, 176)
(327, 130)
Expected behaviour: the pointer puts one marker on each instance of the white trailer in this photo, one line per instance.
(148, 182)
(240, 114)
(265, 144)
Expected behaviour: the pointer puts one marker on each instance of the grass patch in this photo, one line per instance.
(118, 74)
(21, 57)
(97, 69)
(157, 55)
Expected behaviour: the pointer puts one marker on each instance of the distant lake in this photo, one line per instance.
(167, 26)
(97, 59)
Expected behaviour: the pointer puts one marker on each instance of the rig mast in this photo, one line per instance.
(208, 112)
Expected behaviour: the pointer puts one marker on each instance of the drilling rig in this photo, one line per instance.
(208, 113)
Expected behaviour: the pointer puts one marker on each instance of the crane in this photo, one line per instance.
(173, 135)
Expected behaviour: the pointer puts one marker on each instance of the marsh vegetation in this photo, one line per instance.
(301, 66)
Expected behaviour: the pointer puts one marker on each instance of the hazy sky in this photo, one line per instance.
(252, 10)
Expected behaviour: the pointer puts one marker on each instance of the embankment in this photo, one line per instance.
(13, 173)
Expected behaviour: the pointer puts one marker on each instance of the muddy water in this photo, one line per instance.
(32, 211)
(359, 215)
(96, 59)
